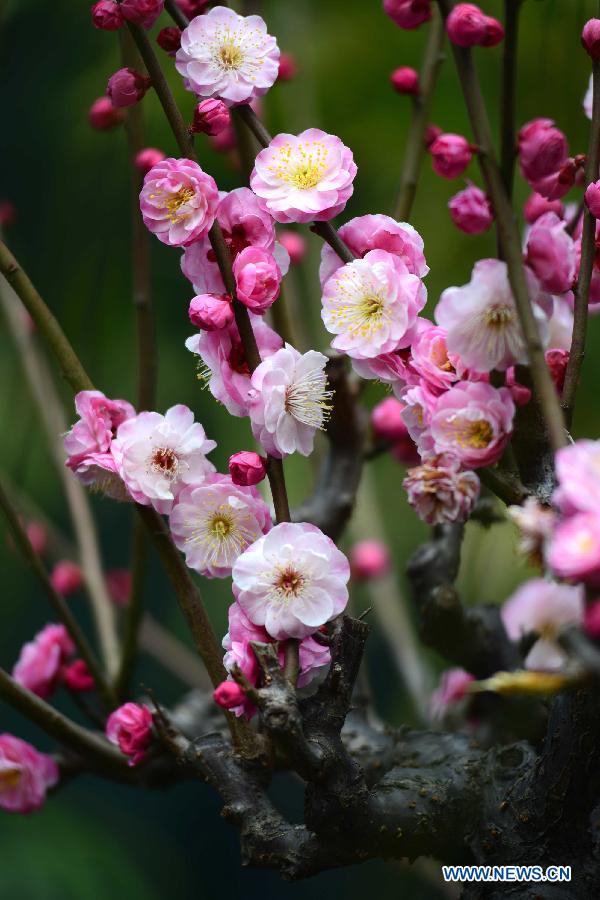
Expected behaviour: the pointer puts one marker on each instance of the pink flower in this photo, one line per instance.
(304, 178)
(212, 523)
(192, 8)
(25, 775)
(211, 117)
(468, 26)
(169, 40)
(38, 536)
(387, 422)
(369, 559)
(127, 87)
(550, 252)
(292, 581)
(66, 577)
(247, 468)
(544, 158)
(295, 245)
(289, 401)
(244, 224)
(535, 523)
(440, 491)
(40, 661)
(454, 687)
(257, 279)
(471, 211)
(557, 361)
(228, 695)
(226, 367)
(103, 116)
(450, 155)
(130, 729)
(371, 303)
(107, 15)
(592, 196)
(377, 232)
(287, 67)
(178, 201)
(481, 318)
(590, 38)
(77, 677)
(147, 158)
(211, 312)
(543, 608)
(408, 14)
(228, 56)
(589, 98)
(142, 12)
(430, 359)
(578, 476)
(405, 80)
(473, 422)
(574, 549)
(561, 323)
(157, 456)
(119, 584)
(420, 403)
(537, 205)
(591, 620)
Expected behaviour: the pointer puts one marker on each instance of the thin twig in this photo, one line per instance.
(588, 250)
(508, 150)
(509, 240)
(415, 140)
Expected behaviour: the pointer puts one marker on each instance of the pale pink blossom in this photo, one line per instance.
(420, 403)
(228, 56)
(550, 252)
(440, 491)
(244, 224)
(247, 468)
(535, 523)
(371, 304)
(573, 552)
(561, 324)
(130, 729)
(578, 475)
(292, 581)
(40, 661)
(226, 369)
(543, 608)
(473, 421)
(289, 401)
(25, 775)
(481, 318)
(211, 312)
(214, 522)
(157, 456)
(454, 687)
(88, 442)
(178, 201)
(369, 559)
(470, 210)
(431, 361)
(377, 232)
(257, 279)
(408, 14)
(303, 178)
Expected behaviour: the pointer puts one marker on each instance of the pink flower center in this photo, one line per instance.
(302, 167)
(235, 239)
(165, 461)
(176, 201)
(10, 778)
(289, 583)
(499, 317)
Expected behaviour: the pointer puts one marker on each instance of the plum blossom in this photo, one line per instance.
(573, 551)
(578, 476)
(289, 401)
(247, 468)
(441, 491)
(130, 729)
(481, 318)
(25, 775)
(473, 421)
(369, 559)
(543, 608)
(454, 687)
(535, 523)
(561, 324)
(211, 117)
(225, 367)
(257, 279)
(450, 155)
(213, 522)
(376, 232)
(178, 201)
(588, 99)
(40, 661)
(291, 581)
(470, 210)
(536, 206)
(420, 403)
(303, 178)
(371, 304)
(158, 455)
(228, 56)
(550, 253)
(66, 577)
(408, 14)
(432, 362)
(211, 312)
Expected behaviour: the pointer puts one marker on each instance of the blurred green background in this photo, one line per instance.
(70, 187)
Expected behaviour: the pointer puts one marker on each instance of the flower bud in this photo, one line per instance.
(590, 38)
(211, 312)
(119, 583)
(468, 26)
(147, 158)
(405, 80)
(494, 32)
(228, 695)
(432, 132)
(387, 422)
(408, 14)
(127, 87)
(130, 729)
(537, 205)
(192, 8)
(257, 279)
(543, 149)
(295, 245)
(211, 117)
(557, 361)
(369, 559)
(591, 619)
(7, 213)
(142, 12)
(592, 198)
(103, 115)
(38, 536)
(66, 577)
(77, 677)
(471, 211)
(169, 39)
(247, 468)
(107, 15)
(450, 155)
(287, 67)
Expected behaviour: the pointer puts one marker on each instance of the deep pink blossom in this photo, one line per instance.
(408, 14)
(119, 584)
(126, 87)
(77, 677)
(440, 491)
(387, 422)
(287, 67)
(454, 687)
(37, 535)
(25, 775)
(550, 252)
(257, 279)
(450, 155)
(544, 158)
(537, 205)
(103, 116)
(592, 196)
(471, 211)
(178, 201)
(303, 178)
(468, 26)
(147, 158)
(247, 468)
(107, 15)
(211, 116)
(211, 312)
(295, 245)
(405, 80)
(590, 38)
(228, 695)
(557, 361)
(40, 661)
(142, 12)
(369, 559)
(130, 729)
(591, 619)
(66, 577)
(169, 40)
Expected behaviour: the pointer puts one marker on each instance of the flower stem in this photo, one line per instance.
(509, 91)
